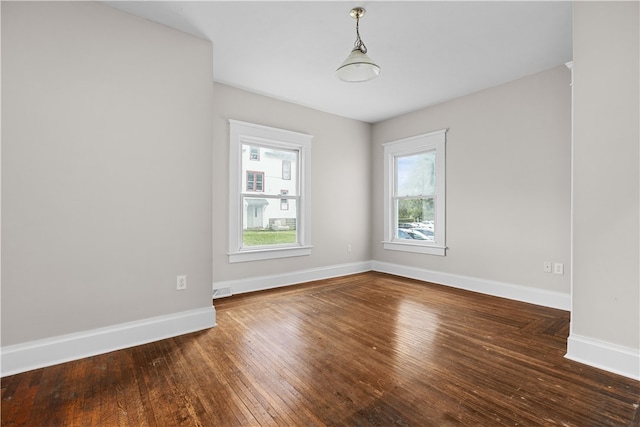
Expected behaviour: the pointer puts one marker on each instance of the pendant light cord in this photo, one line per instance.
(359, 44)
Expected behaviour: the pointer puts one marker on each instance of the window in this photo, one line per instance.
(255, 181)
(284, 203)
(286, 169)
(269, 204)
(414, 194)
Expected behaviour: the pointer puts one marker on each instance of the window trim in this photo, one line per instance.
(245, 133)
(416, 144)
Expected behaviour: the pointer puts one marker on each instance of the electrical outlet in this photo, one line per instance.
(558, 268)
(546, 267)
(349, 248)
(181, 283)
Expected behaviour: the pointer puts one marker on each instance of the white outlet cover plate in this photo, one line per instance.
(558, 268)
(181, 283)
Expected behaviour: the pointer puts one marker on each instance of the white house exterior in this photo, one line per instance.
(270, 187)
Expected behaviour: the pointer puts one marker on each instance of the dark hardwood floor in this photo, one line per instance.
(364, 350)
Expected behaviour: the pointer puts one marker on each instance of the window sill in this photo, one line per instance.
(260, 254)
(415, 248)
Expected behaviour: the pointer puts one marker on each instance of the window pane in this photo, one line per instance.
(265, 223)
(273, 169)
(416, 219)
(416, 174)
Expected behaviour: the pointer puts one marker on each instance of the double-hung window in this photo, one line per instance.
(414, 194)
(269, 204)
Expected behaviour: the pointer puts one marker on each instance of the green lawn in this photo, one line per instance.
(268, 237)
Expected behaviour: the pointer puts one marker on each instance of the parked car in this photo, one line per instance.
(427, 232)
(404, 233)
(429, 225)
(406, 225)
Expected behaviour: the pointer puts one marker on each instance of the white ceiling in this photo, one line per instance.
(429, 51)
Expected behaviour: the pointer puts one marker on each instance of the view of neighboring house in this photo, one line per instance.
(270, 187)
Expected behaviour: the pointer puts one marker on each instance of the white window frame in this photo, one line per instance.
(248, 133)
(405, 147)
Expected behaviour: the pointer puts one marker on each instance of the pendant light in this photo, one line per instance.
(358, 67)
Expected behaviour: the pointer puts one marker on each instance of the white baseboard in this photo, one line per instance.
(603, 355)
(504, 290)
(65, 348)
(251, 284)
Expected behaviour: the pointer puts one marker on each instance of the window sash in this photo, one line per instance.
(272, 171)
(417, 175)
(253, 212)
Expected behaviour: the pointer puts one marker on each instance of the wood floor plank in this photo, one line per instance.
(364, 350)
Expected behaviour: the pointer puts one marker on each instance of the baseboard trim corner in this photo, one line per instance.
(526, 294)
(260, 283)
(65, 348)
(604, 355)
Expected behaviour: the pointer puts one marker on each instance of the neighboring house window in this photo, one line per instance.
(255, 181)
(414, 194)
(275, 222)
(286, 169)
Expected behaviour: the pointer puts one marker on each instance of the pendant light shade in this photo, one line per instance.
(358, 67)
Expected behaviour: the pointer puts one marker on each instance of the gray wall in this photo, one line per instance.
(606, 179)
(106, 169)
(340, 187)
(508, 181)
